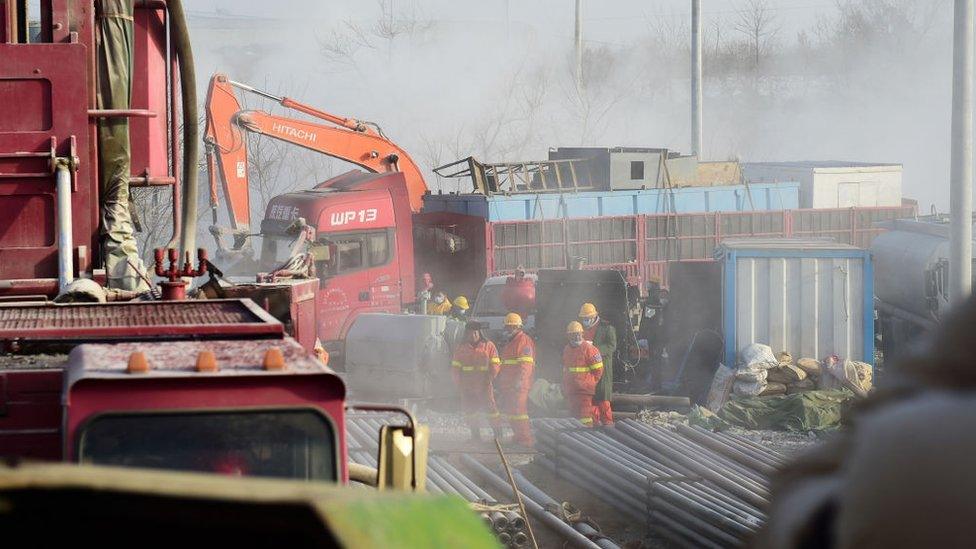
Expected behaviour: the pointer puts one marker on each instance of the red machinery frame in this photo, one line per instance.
(52, 81)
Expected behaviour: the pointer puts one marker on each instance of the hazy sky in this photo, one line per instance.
(437, 96)
(605, 21)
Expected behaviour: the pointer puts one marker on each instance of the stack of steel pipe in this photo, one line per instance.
(509, 526)
(696, 489)
(540, 505)
(442, 478)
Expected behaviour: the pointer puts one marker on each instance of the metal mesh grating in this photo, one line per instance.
(144, 319)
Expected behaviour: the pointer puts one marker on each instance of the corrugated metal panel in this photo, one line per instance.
(810, 302)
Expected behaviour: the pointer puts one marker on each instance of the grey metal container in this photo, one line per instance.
(809, 297)
(400, 356)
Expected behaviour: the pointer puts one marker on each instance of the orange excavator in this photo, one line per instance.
(359, 142)
(353, 232)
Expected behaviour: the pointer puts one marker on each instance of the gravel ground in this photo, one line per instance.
(785, 442)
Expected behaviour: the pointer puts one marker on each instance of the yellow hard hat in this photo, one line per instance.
(461, 302)
(574, 328)
(513, 319)
(587, 310)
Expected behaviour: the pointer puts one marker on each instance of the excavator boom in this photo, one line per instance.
(348, 139)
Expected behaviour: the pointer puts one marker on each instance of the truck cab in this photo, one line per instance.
(260, 408)
(490, 308)
(362, 246)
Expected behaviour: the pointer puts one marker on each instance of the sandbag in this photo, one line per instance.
(838, 374)
(776, 375)
(809, 365)
(792, 373)
(751, 376)
(865, 374)
(749, 388)
(757, 355)
(718, 393)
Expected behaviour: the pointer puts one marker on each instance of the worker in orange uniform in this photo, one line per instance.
(582, 370)
(603, 335)
(515, 379)
(475, 365)
(440, 305)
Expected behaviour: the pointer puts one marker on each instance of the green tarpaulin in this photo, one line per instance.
(807, 411)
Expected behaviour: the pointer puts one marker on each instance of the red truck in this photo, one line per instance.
(641, 246)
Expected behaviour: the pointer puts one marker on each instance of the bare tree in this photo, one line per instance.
(154, 211)
(393, 23)
(758, 24)
(343, 43)
(604, 87)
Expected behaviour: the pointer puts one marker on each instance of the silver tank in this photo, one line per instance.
(909, 266)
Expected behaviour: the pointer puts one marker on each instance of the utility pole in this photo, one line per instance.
(508, 22)
(961, 171)
(696, 79)
(579, 45)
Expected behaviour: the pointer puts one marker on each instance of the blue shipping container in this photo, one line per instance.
(528, 207)
(809, 297)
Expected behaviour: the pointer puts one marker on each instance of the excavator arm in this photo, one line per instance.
(361, 143)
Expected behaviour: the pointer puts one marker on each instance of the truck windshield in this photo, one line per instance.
(276, 249)
(295, 444)
(490, 301)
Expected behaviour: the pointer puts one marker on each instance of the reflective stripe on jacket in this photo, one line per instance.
(582, 367)
(479, 358)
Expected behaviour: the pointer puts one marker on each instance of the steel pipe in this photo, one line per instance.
(728, 451)
(499, 520)
(534, 493)
(66, 269)
(703, 465)
(749, 451)
(690, 447)
(700, 493)
(622, 502)
(572, 537)
(705, 489)
(638, 482)
(678, 496)
(758, 448)
(632, 455)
